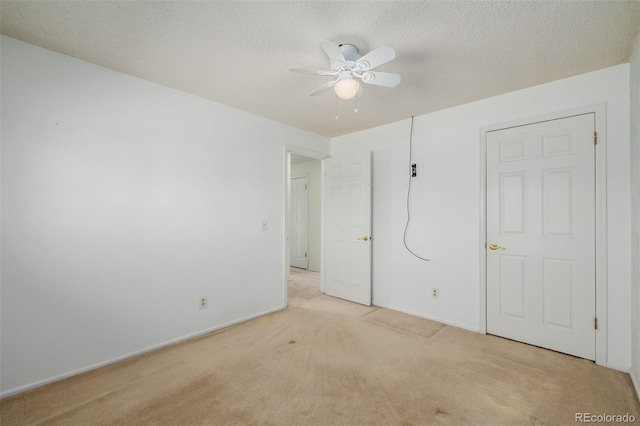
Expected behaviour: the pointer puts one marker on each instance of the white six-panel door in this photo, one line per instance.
(299, 222)
(348, 227)
(541, 234)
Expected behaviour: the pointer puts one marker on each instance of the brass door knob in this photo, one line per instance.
(494, 246)
(365, 238)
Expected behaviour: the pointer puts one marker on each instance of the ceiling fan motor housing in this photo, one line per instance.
(350, 52)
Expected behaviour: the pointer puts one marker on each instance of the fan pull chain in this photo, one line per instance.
(356, 110)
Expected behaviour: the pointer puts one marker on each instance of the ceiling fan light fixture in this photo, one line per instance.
(346, 88)
(349, 69)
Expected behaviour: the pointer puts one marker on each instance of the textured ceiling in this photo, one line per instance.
(238, 53)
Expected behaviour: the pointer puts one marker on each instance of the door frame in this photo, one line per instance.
(306, 176)
(288, 150)
(599, 110)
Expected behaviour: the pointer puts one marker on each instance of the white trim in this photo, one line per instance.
(601, 234)
(288, 150)
(483, 231)
(635, 379)
(601, 216)
(322, 226)
(33, 385)
(304, 175)
(618, 367)
(431, 318)
(303, 152)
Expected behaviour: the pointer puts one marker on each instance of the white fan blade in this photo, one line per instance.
(387, 79)
(333, 52)
(379, 56)
(328, 85)
(312, 71)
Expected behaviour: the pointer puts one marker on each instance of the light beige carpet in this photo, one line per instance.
(331, 362)
(302, 285)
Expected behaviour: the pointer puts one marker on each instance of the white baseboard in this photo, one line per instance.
(623, 368)
(33, 385)
(635, 379)
(431, 318)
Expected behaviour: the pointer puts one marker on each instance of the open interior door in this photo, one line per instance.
(348, 227)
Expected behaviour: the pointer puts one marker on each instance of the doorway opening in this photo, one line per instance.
(303, 226)
(302, 285)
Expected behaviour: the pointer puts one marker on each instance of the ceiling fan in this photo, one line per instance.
(348, 68)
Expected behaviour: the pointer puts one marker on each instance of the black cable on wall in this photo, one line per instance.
(411, 175)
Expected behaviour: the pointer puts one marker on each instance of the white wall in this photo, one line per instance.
(635, 216)
(123, 202)
(446, 200)
(312, 170)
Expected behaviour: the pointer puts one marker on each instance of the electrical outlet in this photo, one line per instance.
(203, 302)
(435, 293)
